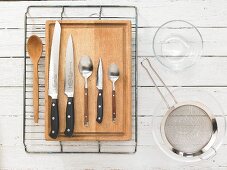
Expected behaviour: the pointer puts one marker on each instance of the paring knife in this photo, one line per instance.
(53, 80)
(99, 85)
(69, 87)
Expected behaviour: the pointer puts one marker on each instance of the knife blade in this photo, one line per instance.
(53, 80)
(99, 85)
(69, 87)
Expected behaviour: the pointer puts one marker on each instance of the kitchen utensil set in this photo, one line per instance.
(112, 40)
(69, 107)
(86, 68)
(94, 47)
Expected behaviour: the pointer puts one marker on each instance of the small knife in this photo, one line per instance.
(53, 80)
(69, 87)
(99, 85)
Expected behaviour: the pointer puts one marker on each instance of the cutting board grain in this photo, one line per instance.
(111, 41)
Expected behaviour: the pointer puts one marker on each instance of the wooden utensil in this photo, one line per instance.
(35, 47)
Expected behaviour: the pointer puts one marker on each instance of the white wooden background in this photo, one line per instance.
(210, 74)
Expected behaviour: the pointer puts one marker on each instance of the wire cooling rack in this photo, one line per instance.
(33, 134)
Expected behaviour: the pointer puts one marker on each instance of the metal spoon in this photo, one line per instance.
(86, 68)
(35, 47)
(113, 76)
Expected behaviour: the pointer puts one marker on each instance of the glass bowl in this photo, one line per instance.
(177, 44)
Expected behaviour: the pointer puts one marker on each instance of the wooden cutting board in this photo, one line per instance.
(111, 41)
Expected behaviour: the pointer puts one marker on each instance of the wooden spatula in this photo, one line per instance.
(35, 47)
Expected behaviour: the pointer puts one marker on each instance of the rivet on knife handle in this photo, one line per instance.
(69, 117)
(100, 107)
(86, 118)
(113, 106)
(54, 119)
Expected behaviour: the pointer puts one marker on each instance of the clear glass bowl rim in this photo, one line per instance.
(183, 21)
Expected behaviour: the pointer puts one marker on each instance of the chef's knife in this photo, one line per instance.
(99, 85)
(53, 80)
(69, 87)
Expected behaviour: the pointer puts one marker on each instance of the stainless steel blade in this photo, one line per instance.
(99, 82)
(69, 68)
(54, 61)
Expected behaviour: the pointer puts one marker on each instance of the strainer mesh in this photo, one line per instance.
(188, 128)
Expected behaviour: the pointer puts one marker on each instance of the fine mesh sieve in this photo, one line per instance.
(187, 128)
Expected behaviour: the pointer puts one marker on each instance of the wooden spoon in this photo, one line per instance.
(35, 47)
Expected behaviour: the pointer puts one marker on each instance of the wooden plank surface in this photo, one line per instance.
(214, 41)
(210, 75)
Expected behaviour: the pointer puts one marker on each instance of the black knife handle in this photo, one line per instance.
(69, 117)
(54, 119)
(100, 107)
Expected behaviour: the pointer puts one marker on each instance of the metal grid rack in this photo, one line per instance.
(33, 134)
